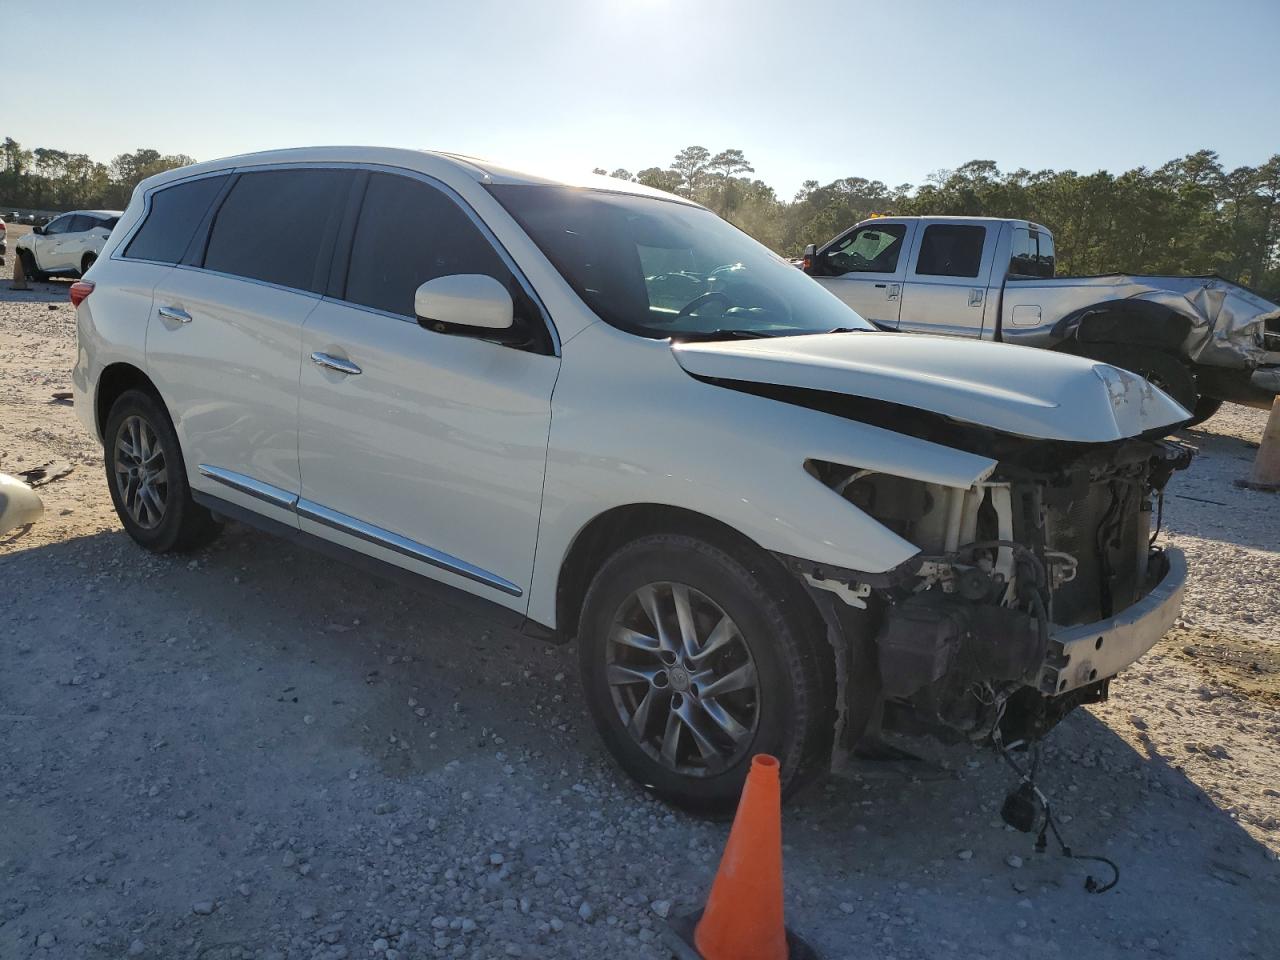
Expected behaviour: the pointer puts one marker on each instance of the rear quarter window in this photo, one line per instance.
(174, 214)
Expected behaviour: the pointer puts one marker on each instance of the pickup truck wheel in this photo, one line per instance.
(1206, 407)
(1164, 370)
(693, 661)
(148, 480)
(29, 267)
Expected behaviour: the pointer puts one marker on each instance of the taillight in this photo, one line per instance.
(80, 291)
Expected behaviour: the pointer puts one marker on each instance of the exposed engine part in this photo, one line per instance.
(854, 594)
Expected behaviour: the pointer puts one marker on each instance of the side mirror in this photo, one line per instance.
(810, 257)
(38, 231)
(466, 300)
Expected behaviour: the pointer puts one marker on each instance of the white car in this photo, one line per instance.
(602, 412)
(68, 244)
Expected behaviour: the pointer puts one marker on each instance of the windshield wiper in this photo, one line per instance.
(721, 333)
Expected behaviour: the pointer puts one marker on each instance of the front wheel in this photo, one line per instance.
(693, 661)
(148, 480)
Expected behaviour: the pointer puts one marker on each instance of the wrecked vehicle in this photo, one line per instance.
(1203, 340)
(600, 411)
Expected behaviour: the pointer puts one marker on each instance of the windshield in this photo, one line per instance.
(664, 269)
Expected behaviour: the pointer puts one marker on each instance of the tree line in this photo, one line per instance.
(1188, 216)
(49, 179)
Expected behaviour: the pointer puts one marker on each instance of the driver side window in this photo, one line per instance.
(874, 248)
(58, 225)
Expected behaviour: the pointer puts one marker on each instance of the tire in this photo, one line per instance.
(1164, 370)
(1205, 408)
(166, 519)
(786, 710)
(29, 267)
(86, 262)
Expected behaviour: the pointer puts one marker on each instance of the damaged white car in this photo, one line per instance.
(607, 414)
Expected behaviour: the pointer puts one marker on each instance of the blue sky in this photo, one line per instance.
(819, 89)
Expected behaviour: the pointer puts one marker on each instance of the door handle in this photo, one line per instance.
(175, 314)
(334, 363)
(894, 290)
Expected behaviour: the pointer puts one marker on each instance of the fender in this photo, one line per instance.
(1129, 321)
(681, 431)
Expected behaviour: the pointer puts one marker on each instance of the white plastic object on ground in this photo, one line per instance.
(19, 504)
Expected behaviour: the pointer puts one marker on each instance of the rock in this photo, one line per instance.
(1014, 861)
(307, 911)
(964, 855)
(586, 912)
(46, 940)
(203, 907)
(846, 907)
(661, 907)
(380, 945)
(137, 948)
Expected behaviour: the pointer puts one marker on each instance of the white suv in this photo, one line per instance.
(603, 412)
(67, 244)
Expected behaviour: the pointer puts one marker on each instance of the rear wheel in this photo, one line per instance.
(148, 480)
(29, 267)
(694, 659)
(86, 262)
(1206, 407)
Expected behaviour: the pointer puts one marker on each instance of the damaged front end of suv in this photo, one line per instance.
(1025, 598)
(1031, 573)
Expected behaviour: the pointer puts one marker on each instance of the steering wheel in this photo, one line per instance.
(699, 300)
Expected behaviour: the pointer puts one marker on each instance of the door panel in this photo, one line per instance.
(431, 456)
(946, 287)
(865, 268)
(229, 376)
(439, 441)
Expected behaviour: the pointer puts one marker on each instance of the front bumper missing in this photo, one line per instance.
(1090, 652)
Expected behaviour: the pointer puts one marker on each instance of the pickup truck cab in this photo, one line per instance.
(1201, 339)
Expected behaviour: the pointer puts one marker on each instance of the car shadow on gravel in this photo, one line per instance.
(187, 719)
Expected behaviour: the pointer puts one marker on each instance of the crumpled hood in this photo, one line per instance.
(1016, 390)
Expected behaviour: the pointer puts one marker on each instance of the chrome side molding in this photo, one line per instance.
(276, 496)
(310, 510)
(379, 537)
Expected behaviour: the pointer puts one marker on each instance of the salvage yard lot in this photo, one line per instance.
(257, 752)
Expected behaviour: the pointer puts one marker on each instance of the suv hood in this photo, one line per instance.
(1016, 390)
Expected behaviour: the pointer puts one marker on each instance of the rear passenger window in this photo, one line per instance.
(409, 233)
(951, 250)
(272, 226)
(82, 224)
(175, 213)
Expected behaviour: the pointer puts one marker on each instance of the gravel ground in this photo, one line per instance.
(256, 752)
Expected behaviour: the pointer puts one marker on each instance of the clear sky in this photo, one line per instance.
(885, 89)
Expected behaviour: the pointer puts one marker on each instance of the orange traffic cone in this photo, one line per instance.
(743, 919)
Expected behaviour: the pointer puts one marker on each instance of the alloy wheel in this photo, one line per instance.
(141, 472)
(682, 679)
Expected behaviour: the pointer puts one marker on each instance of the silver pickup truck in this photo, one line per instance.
(1202, 339)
